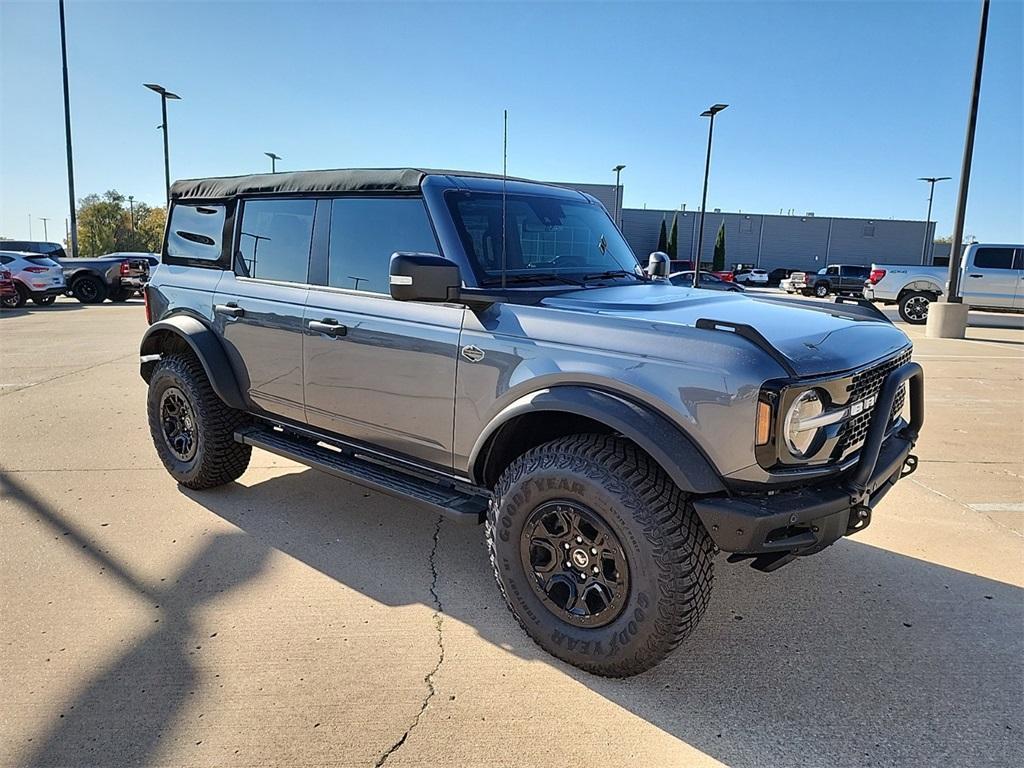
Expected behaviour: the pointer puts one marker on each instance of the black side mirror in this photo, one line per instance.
(424, 277)
(658, 264)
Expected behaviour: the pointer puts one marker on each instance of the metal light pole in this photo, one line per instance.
(73, 244)
(618, 196)
(164, 96)
(131, 215)
(709, 112)
(45, 219)
(273, 161)
(947, 318)
(928, 220)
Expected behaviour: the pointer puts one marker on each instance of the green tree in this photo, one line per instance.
(673, 238)
(718, 264)
(105, 225)
(662, 237)
(149, 229)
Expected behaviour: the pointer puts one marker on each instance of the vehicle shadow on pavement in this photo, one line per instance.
(120, 715)
(853, 657)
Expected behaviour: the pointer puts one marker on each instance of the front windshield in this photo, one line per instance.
(547, 239)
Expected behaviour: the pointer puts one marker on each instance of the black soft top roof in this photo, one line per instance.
(298, 182)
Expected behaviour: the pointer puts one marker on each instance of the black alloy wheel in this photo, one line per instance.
(579, 567)
(178, 422)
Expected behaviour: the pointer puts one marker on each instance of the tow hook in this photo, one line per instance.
(860, 518)
(909, 466)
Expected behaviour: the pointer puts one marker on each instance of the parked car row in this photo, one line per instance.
(41, 272)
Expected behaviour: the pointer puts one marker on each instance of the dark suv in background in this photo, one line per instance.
(492, 349)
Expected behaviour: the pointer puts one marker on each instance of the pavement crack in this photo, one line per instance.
(438, 619)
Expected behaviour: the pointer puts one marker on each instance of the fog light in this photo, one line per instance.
(800, 428)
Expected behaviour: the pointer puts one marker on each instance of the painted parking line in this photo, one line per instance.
(1013, 506)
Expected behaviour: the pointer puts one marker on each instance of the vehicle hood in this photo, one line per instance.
(815, 338)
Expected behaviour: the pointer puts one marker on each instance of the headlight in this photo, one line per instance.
(801, 426)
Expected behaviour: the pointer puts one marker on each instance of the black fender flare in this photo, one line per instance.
(204, 344)
(663, 441)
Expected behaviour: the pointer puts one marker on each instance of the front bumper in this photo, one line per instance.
(776, 528)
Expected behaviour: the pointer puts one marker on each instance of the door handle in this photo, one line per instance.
(329, 327)
(230, 309)
(975, 275)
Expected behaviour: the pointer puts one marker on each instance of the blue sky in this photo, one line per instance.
(835, 108)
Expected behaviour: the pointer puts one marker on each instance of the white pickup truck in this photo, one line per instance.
(991, 277)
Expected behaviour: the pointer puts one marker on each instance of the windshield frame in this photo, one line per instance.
(562, 279)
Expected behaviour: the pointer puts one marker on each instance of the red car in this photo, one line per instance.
(8, 293)
(726, 275)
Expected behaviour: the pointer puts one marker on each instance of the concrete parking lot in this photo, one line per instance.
(294, 619)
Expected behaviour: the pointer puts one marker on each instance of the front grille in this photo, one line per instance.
(867, 384)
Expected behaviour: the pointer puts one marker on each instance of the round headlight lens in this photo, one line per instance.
(800, 436)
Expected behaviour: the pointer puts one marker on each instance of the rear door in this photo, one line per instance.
(259, 305)
(377, 370)
(990, 278)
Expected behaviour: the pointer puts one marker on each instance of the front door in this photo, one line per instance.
(990, 280)
(259, 306)
(377, 370)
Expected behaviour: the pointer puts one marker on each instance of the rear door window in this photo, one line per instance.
(993, 258)
(274, 240)
(196, 232)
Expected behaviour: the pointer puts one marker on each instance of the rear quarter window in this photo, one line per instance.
(196, 233)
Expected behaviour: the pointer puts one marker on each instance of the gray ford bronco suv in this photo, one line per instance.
(494, 350)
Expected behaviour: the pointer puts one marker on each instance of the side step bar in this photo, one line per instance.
(441, 495)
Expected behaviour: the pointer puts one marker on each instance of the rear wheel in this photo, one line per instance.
(913, 307)
(192, 429)
(121, 294)
(598, 554)
(44, 301)
(89, 290)
(821, 290)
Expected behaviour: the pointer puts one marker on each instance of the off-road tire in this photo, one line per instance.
(121, 294)
(89, 290)
(218, 458)
(44, 301)
(821, 290)
(909, 309)
(668, 551)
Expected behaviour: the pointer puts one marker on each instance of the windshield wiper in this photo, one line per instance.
(613, 273)
(534, 277)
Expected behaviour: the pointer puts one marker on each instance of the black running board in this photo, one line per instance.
(442, 496)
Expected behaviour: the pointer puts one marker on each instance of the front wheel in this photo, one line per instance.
(18, 299)
(599, 556)
(913, 307)
(193, 430)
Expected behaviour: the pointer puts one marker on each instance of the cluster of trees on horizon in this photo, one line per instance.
(109, 222)
(668, 242)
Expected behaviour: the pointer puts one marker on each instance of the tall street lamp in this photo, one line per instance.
(711, 111)
(73, 233)
(928, 220)
(164, 96)
(618, 196)
(947, 318)
(45, 219)
(273, 161)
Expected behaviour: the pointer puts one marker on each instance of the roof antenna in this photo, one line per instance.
(504, 178)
